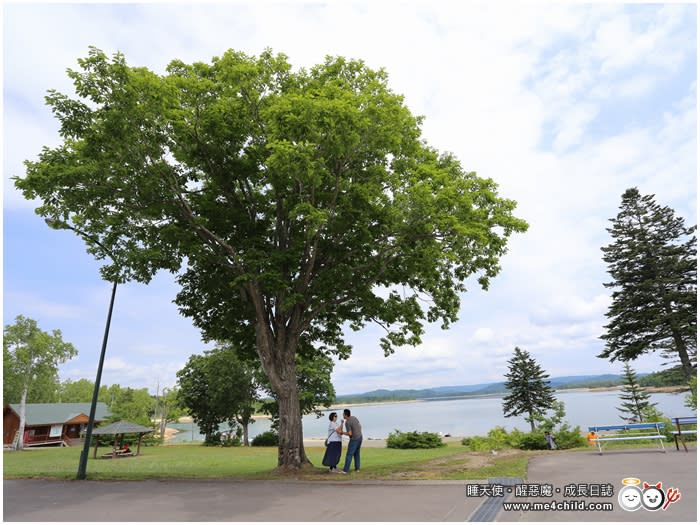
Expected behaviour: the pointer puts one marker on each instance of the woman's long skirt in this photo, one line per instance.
(332, 455)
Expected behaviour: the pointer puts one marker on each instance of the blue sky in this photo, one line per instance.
(565, 106)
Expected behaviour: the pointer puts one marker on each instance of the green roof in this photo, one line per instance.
(53, 413)
(122, 427)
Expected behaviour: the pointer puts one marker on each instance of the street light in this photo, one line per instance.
(82, 465)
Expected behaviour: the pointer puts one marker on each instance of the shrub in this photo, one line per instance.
(477, 443)
(398, 439)
(266, 439)
(532, 441)
(498, 439)
(569, 438)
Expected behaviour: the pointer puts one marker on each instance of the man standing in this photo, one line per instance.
(353, 429)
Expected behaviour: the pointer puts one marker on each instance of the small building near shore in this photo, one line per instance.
(50, 423)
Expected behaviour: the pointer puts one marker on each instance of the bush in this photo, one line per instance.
(569, 438)
(266, 439)
(532, 441)
(498, 439)
(398, 439)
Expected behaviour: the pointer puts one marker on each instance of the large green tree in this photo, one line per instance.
(29, 354)
(293, 203)
(79, 391)
(635, 400)
(133, 404)
(218, 387)
(652, 261)
(529, 391)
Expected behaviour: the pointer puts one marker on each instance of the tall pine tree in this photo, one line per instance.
(529, 389)
(634, 398)
(652, 261)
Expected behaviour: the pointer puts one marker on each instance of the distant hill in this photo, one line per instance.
(563, 382)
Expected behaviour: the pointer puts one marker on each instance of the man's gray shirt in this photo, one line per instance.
(352, 424)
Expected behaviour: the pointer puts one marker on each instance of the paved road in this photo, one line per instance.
(559, 468)
(47, 501)
(349, 500)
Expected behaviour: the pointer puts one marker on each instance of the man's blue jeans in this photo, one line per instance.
(353, 452)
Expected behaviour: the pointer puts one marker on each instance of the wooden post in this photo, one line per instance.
(94, 456)
(138, 450)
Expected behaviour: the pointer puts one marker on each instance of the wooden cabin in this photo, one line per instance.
(50, 423)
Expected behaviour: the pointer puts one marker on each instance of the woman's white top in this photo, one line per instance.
(334, 436)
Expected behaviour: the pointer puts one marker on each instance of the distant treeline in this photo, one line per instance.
(671, 377)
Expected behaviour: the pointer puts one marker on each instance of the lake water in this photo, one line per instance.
(462, 417)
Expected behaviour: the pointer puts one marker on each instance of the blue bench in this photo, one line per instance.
(680, 432)
(639, 431)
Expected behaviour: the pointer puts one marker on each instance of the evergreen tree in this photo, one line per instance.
(652, 261)
(634, 398)
(529, 389)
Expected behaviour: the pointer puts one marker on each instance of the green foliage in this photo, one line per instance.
(415, 439)
(651, 414)
(691, 401)
(224, 439)
(670, 377)
(498, 439)
(79, 391)
(634, 398)
(567, 437)
(653, 265)
(217, 387)
(30, 362)
(135, 405)
(286, 198)
(269, 438)
(529, 390)
(533, 441)
(314, 384)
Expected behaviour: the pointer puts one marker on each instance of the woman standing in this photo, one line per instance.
(334, 443)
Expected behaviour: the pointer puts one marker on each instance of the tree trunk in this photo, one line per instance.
(290, 454)
(22, 418)
(245, 435)
(277, 352)
(532, 421)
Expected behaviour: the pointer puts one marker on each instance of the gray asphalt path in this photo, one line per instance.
(558, 468)
(356, 500)
(169, 500)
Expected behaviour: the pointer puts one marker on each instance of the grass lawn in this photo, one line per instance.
(195, 461)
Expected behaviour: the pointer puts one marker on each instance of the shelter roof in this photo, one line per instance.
(122, 427)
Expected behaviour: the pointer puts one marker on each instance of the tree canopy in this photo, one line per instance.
(652, 261)
(217, 387)
(634, 399)
(529, 392)
(291, 203)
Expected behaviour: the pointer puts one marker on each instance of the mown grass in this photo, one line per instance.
(198, 462)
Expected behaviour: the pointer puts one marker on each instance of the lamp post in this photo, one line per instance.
(82, 465)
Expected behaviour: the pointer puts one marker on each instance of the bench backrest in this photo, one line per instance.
(686, 420)
(631, 426)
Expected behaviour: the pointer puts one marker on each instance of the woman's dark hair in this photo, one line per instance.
(346, 412)
(332, 415)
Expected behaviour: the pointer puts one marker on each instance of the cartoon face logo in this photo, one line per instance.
(653, 497)
(630, 498)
